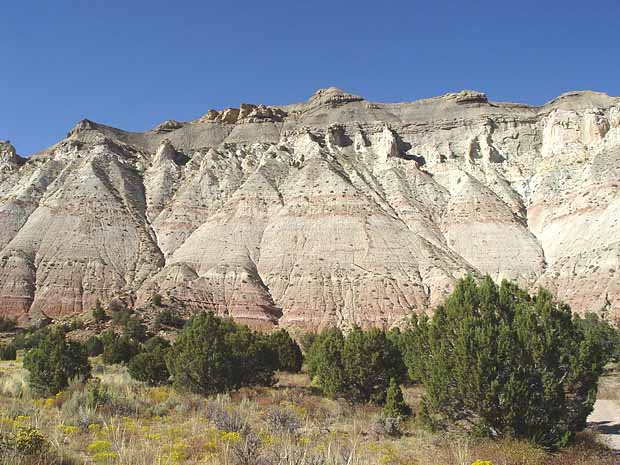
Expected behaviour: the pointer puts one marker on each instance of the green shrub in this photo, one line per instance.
(118, 349)
(29, 339)
(54, 361)
(135, 329)
(99, 313)
(287, 351)
(213, 354)
(7, 324)
(358, 367)
(502, 363)
(604, 331)
(306, 340)
(73, 325)
(8, 352)
(94, 346)
(156, 300)
(149, 366)
(120, 315)
(169, 317)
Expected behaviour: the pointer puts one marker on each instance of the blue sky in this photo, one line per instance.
(132, 64)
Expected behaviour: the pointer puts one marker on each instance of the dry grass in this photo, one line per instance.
(289, 424)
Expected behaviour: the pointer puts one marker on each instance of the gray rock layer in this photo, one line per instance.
(337, 211)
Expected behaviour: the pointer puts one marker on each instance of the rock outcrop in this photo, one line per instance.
(336, 211)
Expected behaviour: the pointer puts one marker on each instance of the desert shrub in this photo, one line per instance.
(213, 354)
(27, 446)
(118, 349)
(8, 352)
(358, 367)
(99, 313)
(156, 300)
(124, 402)
(226, 419)
(80, 409)
(247, 450)
(29, 441)
(54, 361)
(7, 324)
(149, 366)
(395, 406)
(281, 420)
(94, 346)
(287, 351)
(387, 425)
(505, 363)
(169, 317)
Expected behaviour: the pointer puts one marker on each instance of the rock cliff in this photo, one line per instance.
(336, 211)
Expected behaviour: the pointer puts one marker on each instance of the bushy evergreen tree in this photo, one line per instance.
(324, 362)
(135, 329)
(370, 359)
(213, 354)
(94, 346)
(306, 340)
(32, 338)
(149, 365)
(287, 351)
(118, 349)
(504, 363)
(395, 406)
(8, 352)
(358, 367)
(603, 331)
(54, 361)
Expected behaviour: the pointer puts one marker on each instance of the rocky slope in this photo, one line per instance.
(330, 212)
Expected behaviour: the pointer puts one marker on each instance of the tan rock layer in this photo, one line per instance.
(336, 211)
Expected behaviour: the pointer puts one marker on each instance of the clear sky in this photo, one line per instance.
(135, 63)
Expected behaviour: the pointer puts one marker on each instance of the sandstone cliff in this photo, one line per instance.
(333, 211)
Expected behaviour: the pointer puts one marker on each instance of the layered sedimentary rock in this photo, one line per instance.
(336, 211)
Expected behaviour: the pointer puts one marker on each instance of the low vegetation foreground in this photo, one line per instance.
(494, 377)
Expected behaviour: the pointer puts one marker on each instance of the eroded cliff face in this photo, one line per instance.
(337, 211)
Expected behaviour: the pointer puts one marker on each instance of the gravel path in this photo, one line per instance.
(606, 420)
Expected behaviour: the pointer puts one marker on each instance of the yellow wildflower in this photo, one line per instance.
(69, 429)
(99, 446)
(230, 437)
(94, 427)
